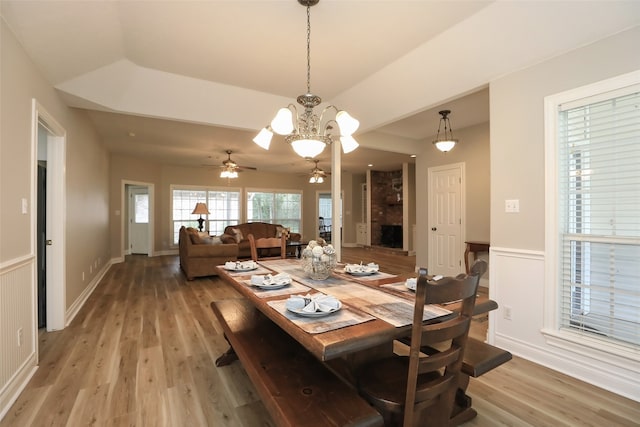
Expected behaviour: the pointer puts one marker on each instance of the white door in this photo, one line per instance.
(139, 220)
(446, 219)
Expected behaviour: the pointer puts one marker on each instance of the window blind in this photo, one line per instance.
(599, 195)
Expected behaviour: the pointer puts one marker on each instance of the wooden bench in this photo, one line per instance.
(480, 357)
(296, 388)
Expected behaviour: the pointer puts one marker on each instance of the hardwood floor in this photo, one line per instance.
(141, 352)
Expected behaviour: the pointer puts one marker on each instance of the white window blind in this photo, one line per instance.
(599, 207)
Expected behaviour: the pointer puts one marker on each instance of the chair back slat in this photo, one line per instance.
(267, 243)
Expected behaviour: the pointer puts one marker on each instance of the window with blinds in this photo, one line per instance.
(599, 216)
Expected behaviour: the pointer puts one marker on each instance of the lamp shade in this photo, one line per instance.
(263, 139)
(282, 123)
(348, 144)
(348, 125)
(201, 208)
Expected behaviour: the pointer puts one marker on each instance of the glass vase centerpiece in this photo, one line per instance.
(318, 259)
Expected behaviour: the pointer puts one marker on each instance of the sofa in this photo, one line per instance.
(199, 255)
(239, 234)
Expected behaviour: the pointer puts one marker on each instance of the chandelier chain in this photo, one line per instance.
(308, 48)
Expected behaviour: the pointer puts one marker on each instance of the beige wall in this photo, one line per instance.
(473, 151)
(518, 240)
(130, 169)
(86, 186)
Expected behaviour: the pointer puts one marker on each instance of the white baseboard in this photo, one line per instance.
(10, 393)
(79, 302)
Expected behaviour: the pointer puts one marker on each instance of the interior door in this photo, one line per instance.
(446, 204)
(139, 220)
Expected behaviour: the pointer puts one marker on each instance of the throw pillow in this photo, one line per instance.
(238, 234)
(193, 235)
(279, 230)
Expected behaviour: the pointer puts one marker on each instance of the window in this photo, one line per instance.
(223, 205)
(275, 207)
(597, 185)
(141, 208)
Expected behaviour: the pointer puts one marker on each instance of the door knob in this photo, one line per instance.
(433, 228)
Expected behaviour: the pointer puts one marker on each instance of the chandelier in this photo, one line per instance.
(317, 175)
(309, 133)
(446, 143)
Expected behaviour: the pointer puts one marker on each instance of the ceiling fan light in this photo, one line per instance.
(308, 148)
(445, 146)
(263, 139)
(348, 125)
(348, 144)
(282, 123)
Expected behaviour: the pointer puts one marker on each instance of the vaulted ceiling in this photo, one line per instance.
(183, 81)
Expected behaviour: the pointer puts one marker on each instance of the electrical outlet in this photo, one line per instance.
(19, 335)
(507, 312)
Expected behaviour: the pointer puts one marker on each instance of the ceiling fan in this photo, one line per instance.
(317, 175)
(230, 168)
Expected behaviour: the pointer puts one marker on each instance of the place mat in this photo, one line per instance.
(293, 288)
(376, 276)
(315, 325)
(259, 270)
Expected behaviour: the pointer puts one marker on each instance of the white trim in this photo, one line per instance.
(551, 316)
(123, 215)
(463, 207)
(56, 214)
(17, 384)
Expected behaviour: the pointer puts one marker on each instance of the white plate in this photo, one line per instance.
(272, 286)
(315, 313)
(241, 269)
(361, 273)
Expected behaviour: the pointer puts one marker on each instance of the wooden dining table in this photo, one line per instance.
(376, 309)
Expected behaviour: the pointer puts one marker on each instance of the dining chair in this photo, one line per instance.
(420, 389)
(266, 245)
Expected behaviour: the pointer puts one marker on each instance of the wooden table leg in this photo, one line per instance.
(228, 357)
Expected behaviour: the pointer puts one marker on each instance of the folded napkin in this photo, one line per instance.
(268, 279)
(240, 265)
(313, 303)
(360, 268)
(411, 283)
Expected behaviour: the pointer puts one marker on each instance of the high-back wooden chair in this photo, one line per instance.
(267, 244)
(420, 389)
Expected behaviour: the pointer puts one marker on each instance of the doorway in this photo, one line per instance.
(446, 219)
(49, 148)
(138, 219)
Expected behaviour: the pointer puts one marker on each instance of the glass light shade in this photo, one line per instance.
(316, 179)
(348, 144)
(348, 125)
(308, 147)
(282, 123)
(263, 139)
(445, 146)
(228, 174)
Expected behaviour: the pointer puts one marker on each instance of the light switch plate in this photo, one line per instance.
(25, 206)
(512, 205)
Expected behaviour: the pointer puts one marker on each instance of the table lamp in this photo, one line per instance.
(201, 208)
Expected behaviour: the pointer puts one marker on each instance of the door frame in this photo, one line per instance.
(55, 213)
(131, 190)
(124, 215)
(463, 220)
(317, 218)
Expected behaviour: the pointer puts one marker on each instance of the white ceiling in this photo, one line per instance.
(192, 79)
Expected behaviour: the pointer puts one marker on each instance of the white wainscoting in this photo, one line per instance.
(17, 312)
(517, 283)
